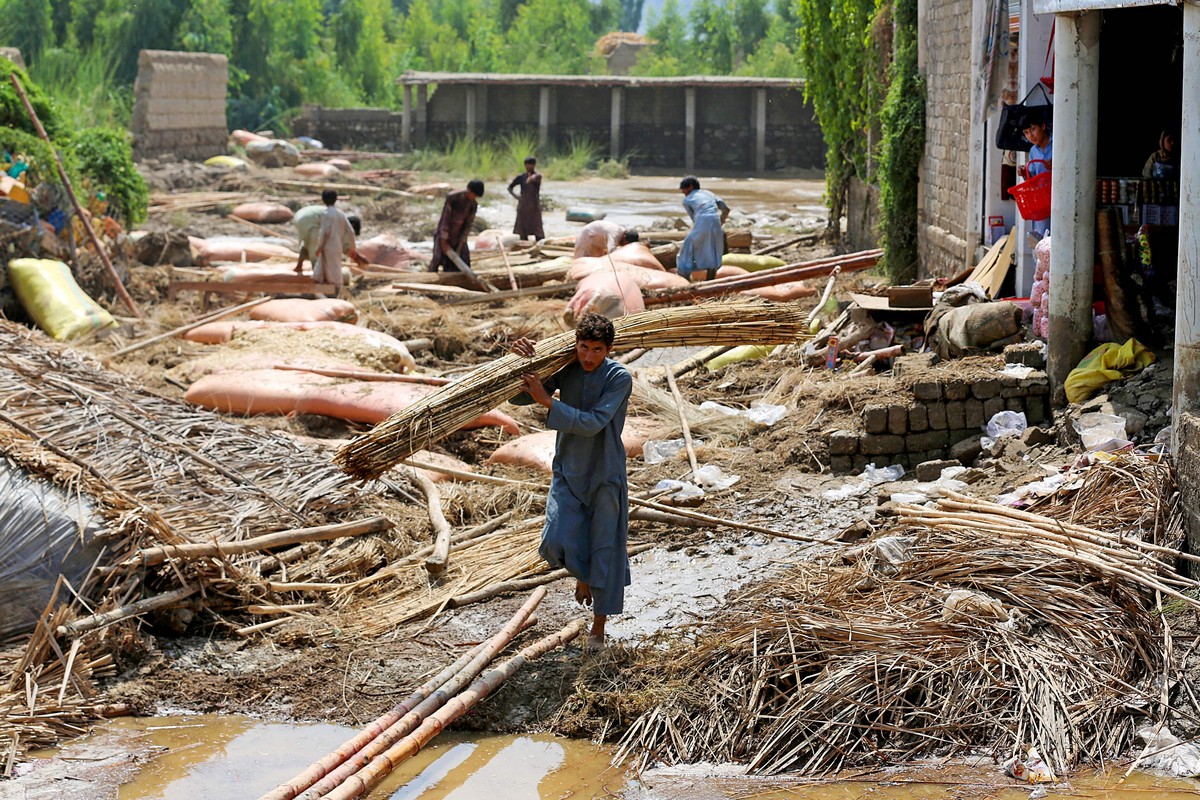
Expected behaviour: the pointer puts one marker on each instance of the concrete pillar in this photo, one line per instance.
(760, 131)
(689, 127)
(614, 128)
(544, 117)
(406, 116)
(1073, 198)
(1187, 298)
(471, 112)
(422, 132)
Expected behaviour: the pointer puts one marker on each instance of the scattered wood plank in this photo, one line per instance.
(301, 286)
(509, 294)
(94, 621)
(349, 188)
(804, 238)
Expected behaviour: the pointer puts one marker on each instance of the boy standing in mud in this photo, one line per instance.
(587, 511)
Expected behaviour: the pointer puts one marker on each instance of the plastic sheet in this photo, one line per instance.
(871, 476)
(43, 533)
(760, 412)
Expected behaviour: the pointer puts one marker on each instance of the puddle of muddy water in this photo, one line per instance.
(187, 757)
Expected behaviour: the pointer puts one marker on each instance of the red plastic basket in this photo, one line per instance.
(1033, 195)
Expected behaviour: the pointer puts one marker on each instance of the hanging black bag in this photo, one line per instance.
(1013, 118)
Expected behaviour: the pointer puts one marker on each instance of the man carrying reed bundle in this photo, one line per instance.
(587, 512)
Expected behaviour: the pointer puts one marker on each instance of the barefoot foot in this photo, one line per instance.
(583, 593)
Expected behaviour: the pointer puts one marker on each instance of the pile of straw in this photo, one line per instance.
(446, 410)
(987, 633)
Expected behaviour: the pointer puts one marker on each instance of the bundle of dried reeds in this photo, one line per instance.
(447, 409)
(968, 642)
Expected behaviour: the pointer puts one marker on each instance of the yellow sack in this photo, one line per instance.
(752, 263)
(1108, 362)
(232, 162)
(743, 353)
(48, 291)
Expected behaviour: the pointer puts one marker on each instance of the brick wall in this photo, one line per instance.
(945, 220)
(179, 104)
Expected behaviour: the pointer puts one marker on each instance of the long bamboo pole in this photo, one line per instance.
(681, 407)
(367, 375)
(156, 555)
(323, 766)
(817, 268)
(435, 563)
(85, 624)
(407, 723)
(213, 317)
(83, 217)
(380, 767)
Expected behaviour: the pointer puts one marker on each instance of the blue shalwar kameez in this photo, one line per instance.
(705, 244)
(587, 512)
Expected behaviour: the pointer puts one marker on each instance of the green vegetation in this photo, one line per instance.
(283, 53)
(98, 160)
(501, 159)
(903, 126)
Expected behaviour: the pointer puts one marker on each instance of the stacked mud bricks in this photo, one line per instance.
(179, 105)
(940, 413)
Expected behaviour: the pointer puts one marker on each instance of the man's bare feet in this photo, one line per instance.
(594, 643)
(583, 593)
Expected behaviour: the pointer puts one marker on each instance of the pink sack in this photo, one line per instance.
(246, 137)
(297, 309)
(317, 170)
(389, 251)
(638, 254)
(536, 450)
(212, 252)
(781, 292)
(223, 330)
(609, 294)
(263, 212)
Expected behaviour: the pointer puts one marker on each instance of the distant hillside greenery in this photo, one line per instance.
(348, 52)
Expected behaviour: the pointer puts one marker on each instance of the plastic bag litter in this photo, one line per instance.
(891, 551)
(712, 478)
(1044, 487)
(1162, 441)
(1169, 753)
(966, 604)
(681, 491)
(924, 492)
(1006, 422)
(1018, 371)
(655, 452)
(871, 476)
(1099, 431)
(1032, 769)
(760, 412)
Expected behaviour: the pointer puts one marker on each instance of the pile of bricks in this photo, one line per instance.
(179, 105)
(940, 413)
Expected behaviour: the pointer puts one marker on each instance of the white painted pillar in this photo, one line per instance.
(471, 113)
(406, 116)
(543, 117)
(1073, 198)
(1187, 297)
(760, 131)
(422, 132)
(614, 130)
(689, 127)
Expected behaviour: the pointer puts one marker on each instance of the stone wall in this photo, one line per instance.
(350, 128)
(945, 221)
(179, 105)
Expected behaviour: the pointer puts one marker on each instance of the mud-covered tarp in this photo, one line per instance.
(44, 532)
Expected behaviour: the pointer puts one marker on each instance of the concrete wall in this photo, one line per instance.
(945, 222)
(179, 104)
(653, 130)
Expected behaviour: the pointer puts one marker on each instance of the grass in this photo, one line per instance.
(499, 159)
(84, 88)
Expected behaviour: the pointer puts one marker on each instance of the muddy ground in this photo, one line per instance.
(307, 670)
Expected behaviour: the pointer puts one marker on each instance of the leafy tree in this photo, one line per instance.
(673, 53)
(206, 27)
(903, 126)
(551, 36)
(27, 25)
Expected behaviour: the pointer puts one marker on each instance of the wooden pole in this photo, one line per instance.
(89, 623)
(407, 723)
(382, 765)
(767, 277)
(157, 555)
(465, 269)
(681, 407)
(435, 563)
(824, 296)
(367, 375)
(83, 217)
(213, 317)
(512, 279)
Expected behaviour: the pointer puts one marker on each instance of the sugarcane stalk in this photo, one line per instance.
(409, 721)
(381, 766)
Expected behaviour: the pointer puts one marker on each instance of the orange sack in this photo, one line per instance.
(207, 251)
(611, 294)
(536, 450)
(262, 212)
(638, 254)
(389, 251)
(317, 170)
(285, 392)
(779, 293)
(224, 330)
(297, 309)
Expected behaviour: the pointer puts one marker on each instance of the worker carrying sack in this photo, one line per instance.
(1013, 117)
